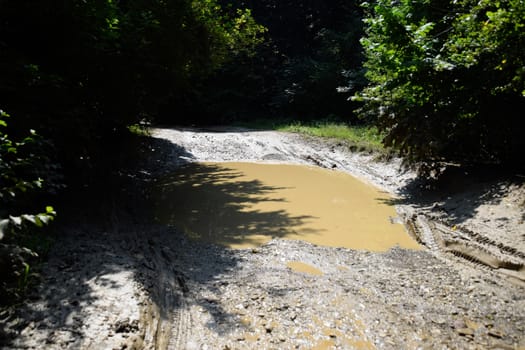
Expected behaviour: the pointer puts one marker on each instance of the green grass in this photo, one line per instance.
(139, 129)
(358, 137)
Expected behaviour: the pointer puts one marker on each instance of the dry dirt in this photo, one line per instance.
(139, 285)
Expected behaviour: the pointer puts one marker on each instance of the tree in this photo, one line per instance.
(309, 47)
(446, 78)
(80, 71)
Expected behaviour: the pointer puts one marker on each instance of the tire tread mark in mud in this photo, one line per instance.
(488, 242)
(180, 325)
(473, 249)
(173, 327)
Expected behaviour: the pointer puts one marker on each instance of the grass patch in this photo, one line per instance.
(363, 138)
(140, 129)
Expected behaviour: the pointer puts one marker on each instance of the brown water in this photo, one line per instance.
(302, 267)
(243, 205)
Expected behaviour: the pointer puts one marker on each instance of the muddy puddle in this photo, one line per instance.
(244, 205)
(299, 266)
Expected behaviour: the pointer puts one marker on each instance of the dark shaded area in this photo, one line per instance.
(211, 203)
(81, 72)
(456, 187)
(311, 48)
(111, 228)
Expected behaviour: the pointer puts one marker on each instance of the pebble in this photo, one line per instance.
(496, 333)
(465, 331)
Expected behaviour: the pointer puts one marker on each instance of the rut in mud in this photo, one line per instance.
(146, 285)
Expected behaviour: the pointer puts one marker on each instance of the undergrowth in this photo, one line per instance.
(362, 138)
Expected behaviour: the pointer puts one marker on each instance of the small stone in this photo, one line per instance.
(471, 324)
(466, 332)
(496, 333)
(458, 324)
(435, 332)
(283, 307)
(438, 320)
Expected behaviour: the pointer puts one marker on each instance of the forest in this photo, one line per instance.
(443, 81)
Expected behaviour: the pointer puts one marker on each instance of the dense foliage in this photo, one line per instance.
(447, 78)
(22, 163)
(311, 49)
(79, 72)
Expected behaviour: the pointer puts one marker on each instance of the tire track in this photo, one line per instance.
(171, 318)
(470, 247)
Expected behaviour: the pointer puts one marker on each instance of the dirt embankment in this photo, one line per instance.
(143, 285)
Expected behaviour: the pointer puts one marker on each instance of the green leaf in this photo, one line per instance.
(38, 221)
(44, 219)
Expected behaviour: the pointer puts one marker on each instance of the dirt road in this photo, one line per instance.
(143, 285)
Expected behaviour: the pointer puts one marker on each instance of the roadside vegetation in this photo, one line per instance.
(446, 79)
(359, 137)
(362, 138)
(22, 164)
(77, 74)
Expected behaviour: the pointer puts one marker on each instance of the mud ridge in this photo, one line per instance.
(434, 235)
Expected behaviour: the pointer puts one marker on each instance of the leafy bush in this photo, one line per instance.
(19, 181)
(81, 71)
(447, 78)
(309, 49)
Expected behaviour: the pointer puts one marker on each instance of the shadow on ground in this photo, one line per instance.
(214, 203)
(112, 241)
(460, 191)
